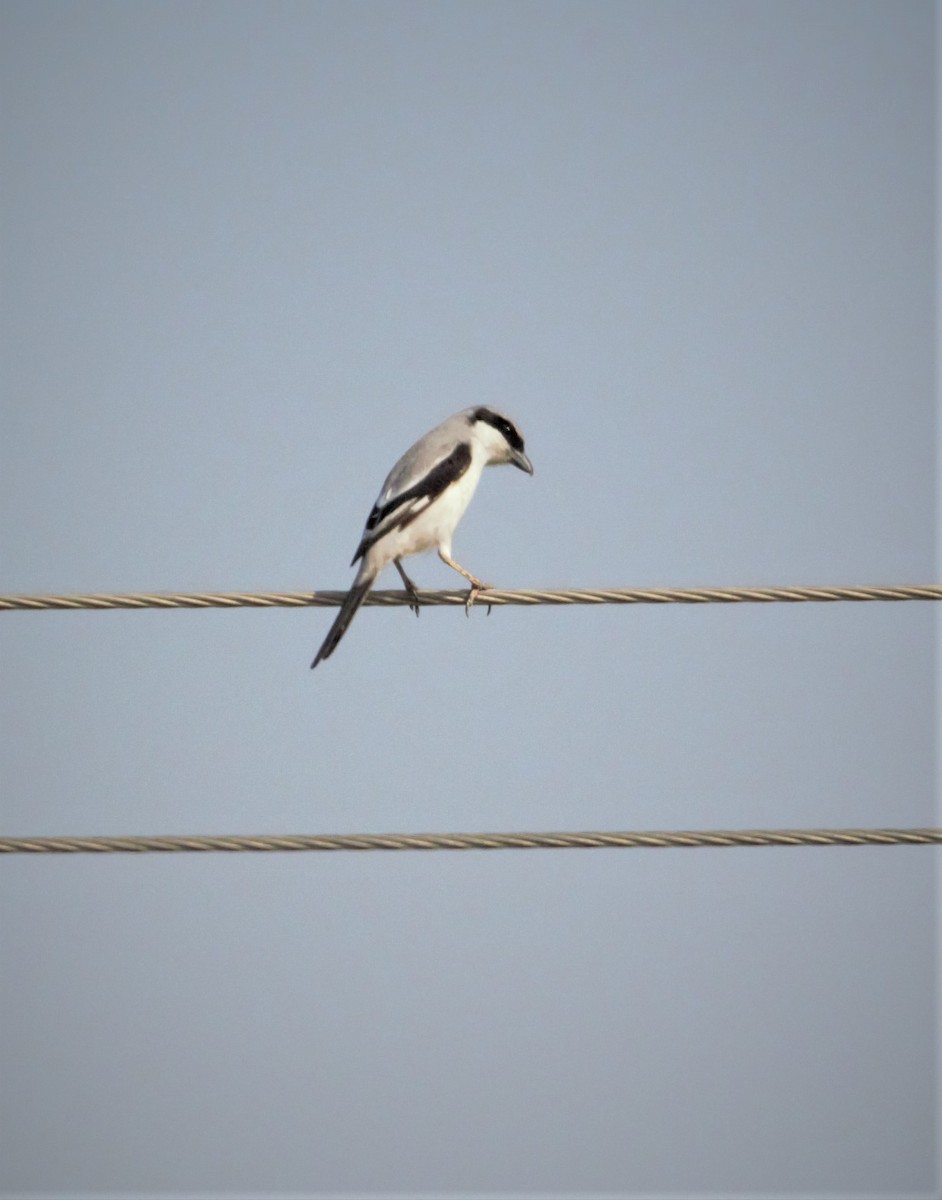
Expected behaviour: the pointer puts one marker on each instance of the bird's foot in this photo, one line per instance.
(476, 588)
(411, 590)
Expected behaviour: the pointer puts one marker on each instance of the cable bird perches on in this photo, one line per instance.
(496, 596)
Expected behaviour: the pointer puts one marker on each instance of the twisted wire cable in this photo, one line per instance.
(476, 841)
(493, 596)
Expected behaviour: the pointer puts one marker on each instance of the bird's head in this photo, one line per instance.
(500, 438)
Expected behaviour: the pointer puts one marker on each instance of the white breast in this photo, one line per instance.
(433, 528)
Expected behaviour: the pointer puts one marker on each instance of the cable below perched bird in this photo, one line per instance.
(423, 499)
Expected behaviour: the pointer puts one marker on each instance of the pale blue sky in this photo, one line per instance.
(250, 253)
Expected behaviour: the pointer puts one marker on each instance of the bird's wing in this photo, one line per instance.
(414, 483)
(424, 455)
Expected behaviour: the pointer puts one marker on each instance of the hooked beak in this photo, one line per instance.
(519, 459)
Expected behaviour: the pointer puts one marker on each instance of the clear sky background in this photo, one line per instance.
(250, 252)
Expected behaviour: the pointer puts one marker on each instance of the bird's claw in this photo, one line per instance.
(411, 592)
(474, 591)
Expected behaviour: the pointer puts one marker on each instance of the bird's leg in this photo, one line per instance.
(476, 585)
(410, 586)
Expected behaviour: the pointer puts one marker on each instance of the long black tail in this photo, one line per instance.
(348, 610)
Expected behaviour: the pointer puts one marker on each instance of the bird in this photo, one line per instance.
(423, 499)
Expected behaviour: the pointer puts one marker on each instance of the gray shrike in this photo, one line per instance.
(423, 499)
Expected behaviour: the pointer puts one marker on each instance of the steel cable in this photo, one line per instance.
(475, 841)
(493, 596)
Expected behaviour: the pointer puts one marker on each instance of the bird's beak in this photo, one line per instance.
(519, 459)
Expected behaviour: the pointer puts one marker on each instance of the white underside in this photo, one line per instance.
(432, 529)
